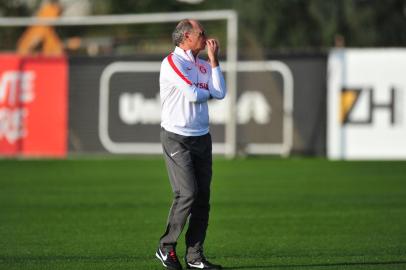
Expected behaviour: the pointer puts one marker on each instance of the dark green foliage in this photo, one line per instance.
(299, 24)
(265, 26)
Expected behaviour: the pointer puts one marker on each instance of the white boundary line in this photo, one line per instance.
(218, 148)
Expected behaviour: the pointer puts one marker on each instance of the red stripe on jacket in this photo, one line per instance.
(175, 68)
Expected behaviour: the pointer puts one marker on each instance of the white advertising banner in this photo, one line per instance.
(366, 98)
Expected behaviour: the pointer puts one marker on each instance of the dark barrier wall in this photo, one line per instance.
(310, 103)
(132, 101)
(84, 77)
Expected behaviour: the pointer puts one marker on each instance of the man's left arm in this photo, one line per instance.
(217, 85)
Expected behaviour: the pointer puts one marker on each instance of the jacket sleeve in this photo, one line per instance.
(175, 73)
(217, 86)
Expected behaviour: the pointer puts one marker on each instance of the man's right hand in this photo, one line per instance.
(212, 52)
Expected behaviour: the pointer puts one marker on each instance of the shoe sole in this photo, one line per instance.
(188, 266)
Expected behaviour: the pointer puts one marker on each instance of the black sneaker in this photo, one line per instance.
(202, 264)
(168, 258)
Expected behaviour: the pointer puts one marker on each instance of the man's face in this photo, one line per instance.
(197, 37)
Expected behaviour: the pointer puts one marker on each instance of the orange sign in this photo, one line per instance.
(42, 34)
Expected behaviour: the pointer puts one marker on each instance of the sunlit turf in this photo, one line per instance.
(266, 214)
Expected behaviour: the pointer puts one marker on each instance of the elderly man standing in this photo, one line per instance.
(186, 84)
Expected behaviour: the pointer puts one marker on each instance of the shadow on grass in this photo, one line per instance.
(314, 265)
(67, 258)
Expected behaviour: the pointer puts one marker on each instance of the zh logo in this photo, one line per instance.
(350, 101)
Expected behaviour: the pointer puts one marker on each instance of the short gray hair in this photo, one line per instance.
(178, 34)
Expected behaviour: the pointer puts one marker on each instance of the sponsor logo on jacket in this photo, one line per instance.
(202, 85)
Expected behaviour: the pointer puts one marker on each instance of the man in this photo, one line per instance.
(186, 84)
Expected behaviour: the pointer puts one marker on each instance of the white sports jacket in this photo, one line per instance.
(185, 86)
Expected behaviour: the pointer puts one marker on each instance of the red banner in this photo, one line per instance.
(33, 106)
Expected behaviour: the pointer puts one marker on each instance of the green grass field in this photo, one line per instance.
(266, 214)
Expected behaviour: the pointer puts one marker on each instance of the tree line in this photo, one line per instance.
(279, 25)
